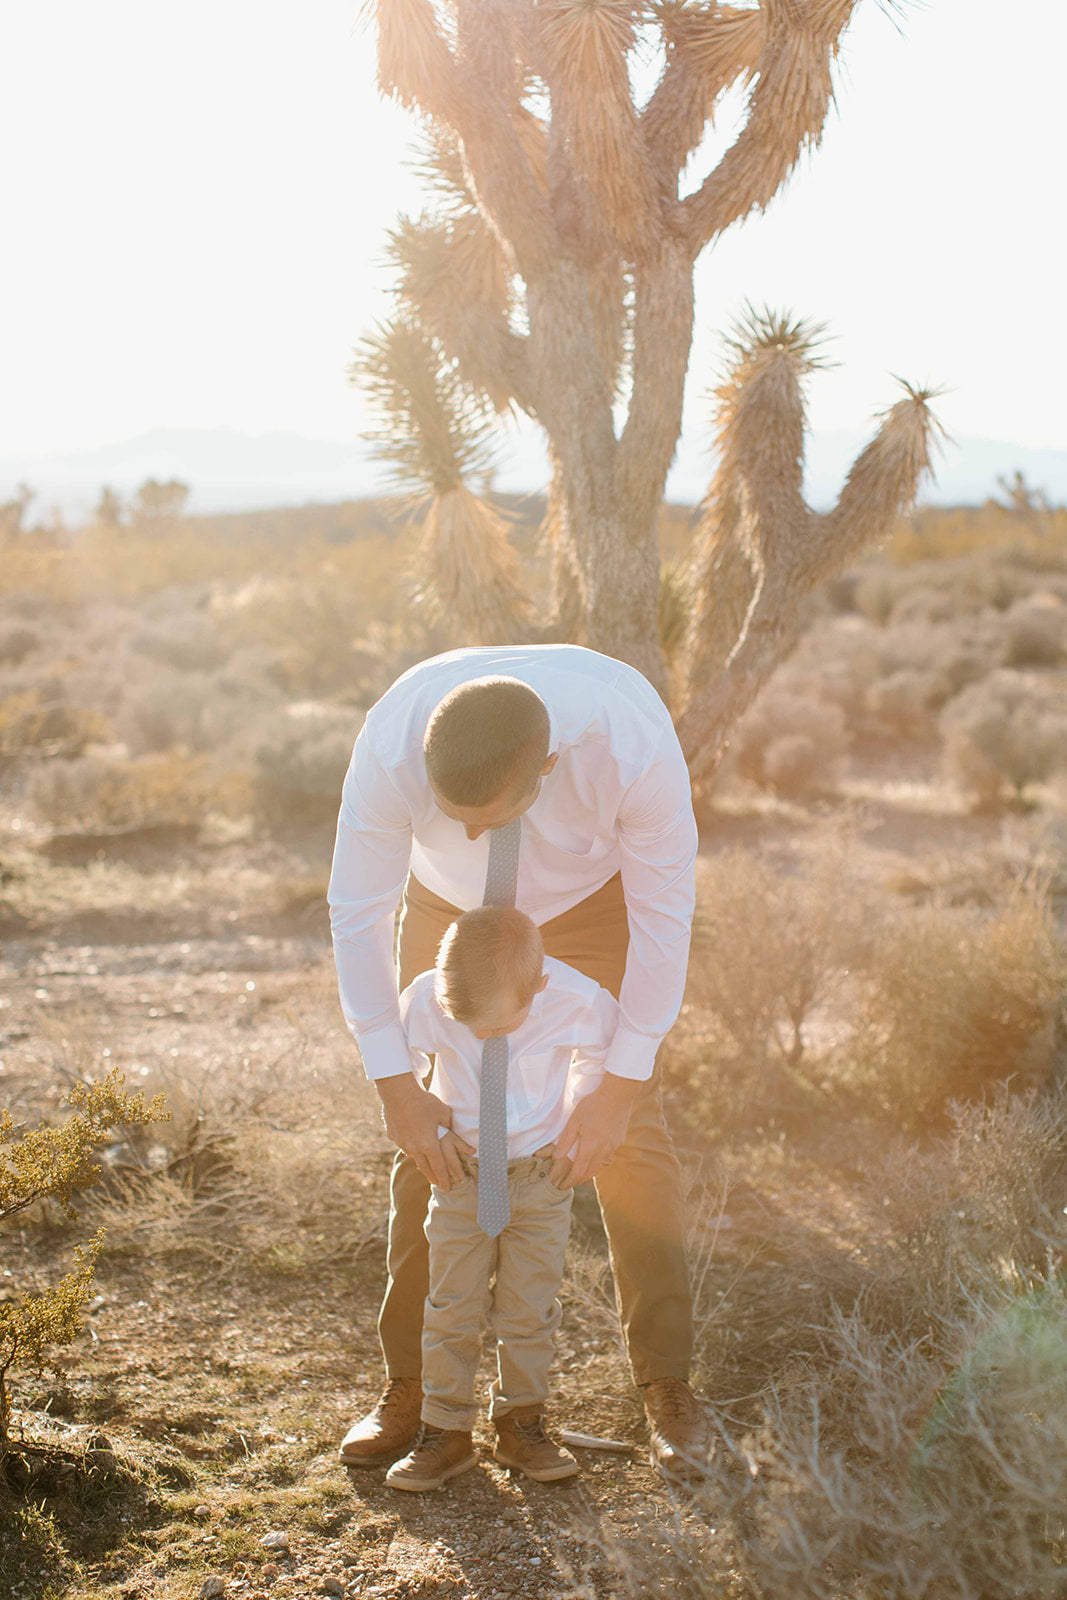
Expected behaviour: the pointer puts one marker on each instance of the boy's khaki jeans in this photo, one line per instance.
(527, 1259)
(640, 1193)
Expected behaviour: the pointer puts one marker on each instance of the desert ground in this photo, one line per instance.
(866, 1084)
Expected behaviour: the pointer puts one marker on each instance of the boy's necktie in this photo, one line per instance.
(494, 1208)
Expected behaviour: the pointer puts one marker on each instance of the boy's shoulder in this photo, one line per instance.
(568, 982)
(419, 997)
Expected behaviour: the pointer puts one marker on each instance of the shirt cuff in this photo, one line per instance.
(631, 1055)
(385, 1052)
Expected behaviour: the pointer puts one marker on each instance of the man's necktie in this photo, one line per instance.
(494, 1208)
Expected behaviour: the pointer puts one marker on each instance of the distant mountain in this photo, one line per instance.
(231, 471)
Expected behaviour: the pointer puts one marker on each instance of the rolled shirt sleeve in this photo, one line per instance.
(370, 864)
(657, 846)
(597, 1027)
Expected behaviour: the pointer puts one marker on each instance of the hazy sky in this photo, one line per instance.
(195, 195)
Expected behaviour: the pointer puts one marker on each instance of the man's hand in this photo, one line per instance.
(594, 1131)
(412, 1117)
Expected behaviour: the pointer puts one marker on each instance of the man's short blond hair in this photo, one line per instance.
(487, 738)
(489, 956)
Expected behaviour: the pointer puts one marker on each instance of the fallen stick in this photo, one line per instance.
(590, 1441)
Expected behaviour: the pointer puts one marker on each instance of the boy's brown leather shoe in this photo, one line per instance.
(439, 1454)
(521, 1442)
(388, 1430)
(680, 1436)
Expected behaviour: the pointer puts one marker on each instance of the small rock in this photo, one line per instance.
(350, 1559)
(212, 1588)
(275, 1540)
(333, 1586)
(201, 1511)
(270, 1571)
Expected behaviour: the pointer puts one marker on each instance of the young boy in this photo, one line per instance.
(492, 978)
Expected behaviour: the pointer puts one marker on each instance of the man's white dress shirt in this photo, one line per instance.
(554, 1058)
(617, 800)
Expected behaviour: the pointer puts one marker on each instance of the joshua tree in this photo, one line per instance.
(554, 276)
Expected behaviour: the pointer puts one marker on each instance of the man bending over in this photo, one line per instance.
(571, 760)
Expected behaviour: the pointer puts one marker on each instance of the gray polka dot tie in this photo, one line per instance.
(494, 1208)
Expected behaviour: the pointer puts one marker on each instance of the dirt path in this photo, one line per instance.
(231, 1361)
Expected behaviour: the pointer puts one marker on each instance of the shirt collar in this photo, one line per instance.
(553, 729)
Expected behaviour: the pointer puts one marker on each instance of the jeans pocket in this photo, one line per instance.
(554, 1189)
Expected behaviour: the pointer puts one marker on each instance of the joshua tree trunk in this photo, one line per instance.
(611, 488)
(555, 276)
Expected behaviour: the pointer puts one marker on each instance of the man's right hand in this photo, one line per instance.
(412, 1116)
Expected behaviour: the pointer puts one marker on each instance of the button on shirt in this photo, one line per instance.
(617, 800)
(555, 1057)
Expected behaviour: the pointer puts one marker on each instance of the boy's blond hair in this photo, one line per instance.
(489, 953)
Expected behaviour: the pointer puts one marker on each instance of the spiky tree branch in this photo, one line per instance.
(470, 87)
(765, 522)
(437, 439)
(709, 48)
(787, 112)
(452, 275)
(757, 484)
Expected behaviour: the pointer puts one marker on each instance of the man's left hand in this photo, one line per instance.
(594, 1131)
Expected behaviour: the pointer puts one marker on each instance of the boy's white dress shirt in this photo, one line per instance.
(572, 1017)
(618, 800)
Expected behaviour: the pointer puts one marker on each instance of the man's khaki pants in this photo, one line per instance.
(640, 1193)
(527, 1260)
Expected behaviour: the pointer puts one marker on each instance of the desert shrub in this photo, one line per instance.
(768, 948)
(959, 1001)
(330, 619)
(301, 760)
(97, 792)
(16, 643)
(1035, 632)
(905, 704)
(134, 564)
(164, 709)
(839, 659)
(55, 1164)
(989, 1194)
(893, 1463)
(1008, 730)
(876, 593)
(790, 741)
(990, 1468)
(189, 643)
(37, 720)
(927, 608)
(940, 532)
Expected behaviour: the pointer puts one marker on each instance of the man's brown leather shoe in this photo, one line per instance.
(521, 1442)
(439, 1454)
(388, 1430)
(680, 1436)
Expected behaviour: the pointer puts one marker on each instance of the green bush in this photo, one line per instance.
(56, 1164)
